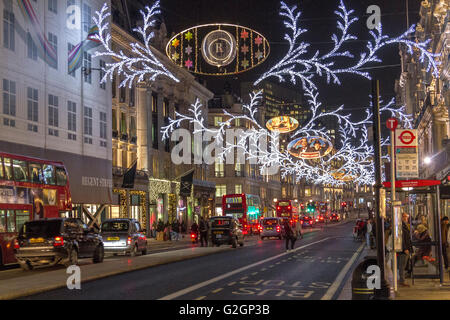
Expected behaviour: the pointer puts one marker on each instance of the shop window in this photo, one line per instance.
(22, 216)
(36, 174)
(20, 171)
(61, 176)
(49, 174)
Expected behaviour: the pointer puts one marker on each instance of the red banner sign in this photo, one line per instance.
(412, 183)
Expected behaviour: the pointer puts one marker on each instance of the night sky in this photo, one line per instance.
(319, 19)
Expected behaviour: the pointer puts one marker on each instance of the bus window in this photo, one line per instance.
(2, 221)
(10, 223)
(20, 171)
(8, 168)
(49, 174)
(36, 175)
(61, 176)
(1, 169)
(22, 216)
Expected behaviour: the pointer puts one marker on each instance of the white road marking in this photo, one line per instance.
(332, 290)
(229, 274)
(217, 290)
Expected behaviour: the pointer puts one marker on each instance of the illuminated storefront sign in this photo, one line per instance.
(310, 147)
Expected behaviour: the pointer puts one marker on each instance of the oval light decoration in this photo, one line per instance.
(310, 148)
(218, 49)
(282, 124)
(341, 175)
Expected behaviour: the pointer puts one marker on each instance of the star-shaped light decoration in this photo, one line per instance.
(244, 34)
(175, 56)
(258, 40)
(188, 63)
(245, 63)
(244, 49)
(188, 36)
(259, 55)
(175, 43)
(188, 50)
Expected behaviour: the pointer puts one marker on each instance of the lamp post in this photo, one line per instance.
(384, 291)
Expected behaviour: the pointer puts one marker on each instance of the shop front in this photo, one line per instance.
(130, 202)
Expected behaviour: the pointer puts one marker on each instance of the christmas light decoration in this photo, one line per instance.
(352, 160)
(300, 64)
(143, 65)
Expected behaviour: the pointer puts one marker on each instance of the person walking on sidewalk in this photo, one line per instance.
(176, 230)
(444, 238)
(403, 256)
(203, 228)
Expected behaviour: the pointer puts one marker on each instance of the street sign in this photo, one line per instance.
(407, 157)
(412, 183)
(392, 124)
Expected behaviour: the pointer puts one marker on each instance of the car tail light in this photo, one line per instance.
(301, 221)
(16, 244)
(289, 207)
(58, 241)
(129, 241)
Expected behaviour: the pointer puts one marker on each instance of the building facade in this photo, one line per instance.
(52, 108)
(427, 98)
(138, 114)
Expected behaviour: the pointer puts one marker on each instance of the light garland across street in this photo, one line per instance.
(352, 161)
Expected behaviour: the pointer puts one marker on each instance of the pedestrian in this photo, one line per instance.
(444, 239)
(402, 257)
(175, 230)
(203, 228)
(422, 236)
(298, 229)
(290, 235)
(368, 233)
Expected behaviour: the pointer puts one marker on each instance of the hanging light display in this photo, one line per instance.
(282, 124)
(218, 49)
(310, 147)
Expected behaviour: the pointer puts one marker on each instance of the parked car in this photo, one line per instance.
(226, 230)
(123, 236)
(271, 227)
(57, 241)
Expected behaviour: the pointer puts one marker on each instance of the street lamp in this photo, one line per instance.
(427, 160)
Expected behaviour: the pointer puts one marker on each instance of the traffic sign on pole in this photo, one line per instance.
(392, 124)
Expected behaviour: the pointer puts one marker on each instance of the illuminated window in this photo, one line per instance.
(221, 190)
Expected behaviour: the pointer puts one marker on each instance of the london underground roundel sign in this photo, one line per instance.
(218, 49)
(407, 137)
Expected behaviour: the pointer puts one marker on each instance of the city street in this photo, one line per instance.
(260, 270)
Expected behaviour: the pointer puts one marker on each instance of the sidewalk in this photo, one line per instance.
(423, 289)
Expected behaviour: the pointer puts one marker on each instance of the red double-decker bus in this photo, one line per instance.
(30, 189)
(244, 207)
(287, 209)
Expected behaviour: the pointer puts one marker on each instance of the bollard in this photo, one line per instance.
(360, 291)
